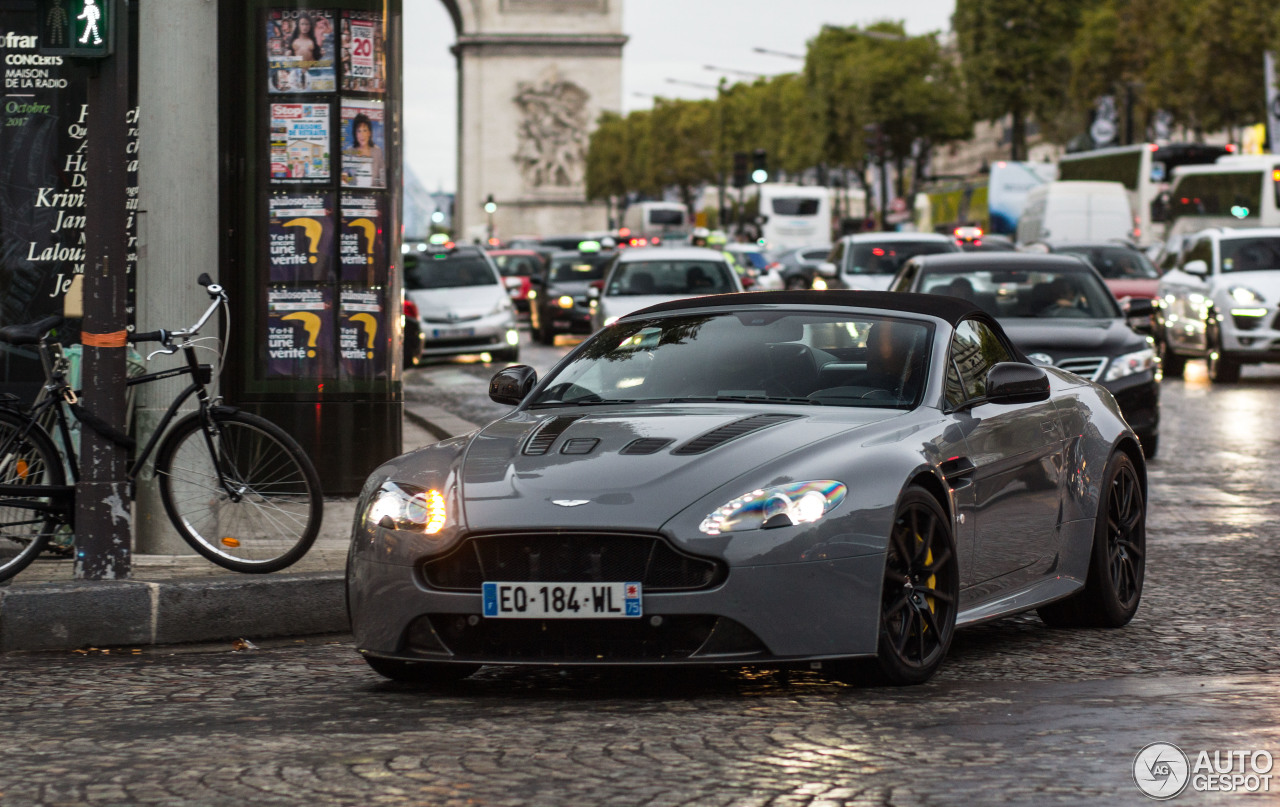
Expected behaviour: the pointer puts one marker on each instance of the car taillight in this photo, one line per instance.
(410, 309)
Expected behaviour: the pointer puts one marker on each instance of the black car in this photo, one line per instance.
(559, 301)
(1058, 311)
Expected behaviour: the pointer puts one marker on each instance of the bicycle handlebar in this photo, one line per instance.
(165, 337)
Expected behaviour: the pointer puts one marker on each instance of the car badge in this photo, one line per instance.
(1041, 358)
(570, 502)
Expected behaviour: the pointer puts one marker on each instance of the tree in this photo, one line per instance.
(683, 149)
(1015, 57)
(607, 158)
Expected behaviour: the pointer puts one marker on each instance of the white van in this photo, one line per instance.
(667, 220)
(1076, 210)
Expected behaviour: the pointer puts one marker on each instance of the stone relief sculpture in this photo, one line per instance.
(552, 133)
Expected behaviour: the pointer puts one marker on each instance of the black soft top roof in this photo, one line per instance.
(950, 309)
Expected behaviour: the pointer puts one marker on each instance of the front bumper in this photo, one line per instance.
(758, 614)
(1252, 338)
(1139, 398)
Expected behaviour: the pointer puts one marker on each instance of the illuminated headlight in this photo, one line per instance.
(1245, 296)
(565, 302)
(1248, 312)
(513, 338)
(1130, 363)
(779, 506)
(404, 507)
(819, 284)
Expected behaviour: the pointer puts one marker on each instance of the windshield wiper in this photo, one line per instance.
(743, 399)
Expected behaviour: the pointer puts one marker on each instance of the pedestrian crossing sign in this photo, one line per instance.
(77, 28)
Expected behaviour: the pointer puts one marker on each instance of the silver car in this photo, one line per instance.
(463, 305)
(640, 278)
(837, 479)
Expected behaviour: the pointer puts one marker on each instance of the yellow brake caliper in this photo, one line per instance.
(932, 581)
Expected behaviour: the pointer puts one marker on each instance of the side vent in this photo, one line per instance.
(579, 445)
(646, 445)
(540, 441)
(731, 431)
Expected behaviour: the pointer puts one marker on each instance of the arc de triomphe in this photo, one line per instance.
(533, 77)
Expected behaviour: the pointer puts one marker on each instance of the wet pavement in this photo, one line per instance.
(1020, 714)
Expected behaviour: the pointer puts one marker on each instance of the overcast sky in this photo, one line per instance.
(670, 39)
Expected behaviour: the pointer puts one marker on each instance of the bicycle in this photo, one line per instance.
(237, 488)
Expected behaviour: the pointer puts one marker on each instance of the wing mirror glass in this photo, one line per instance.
(827, 269)
(1198, 268)
(1013, 382)
(511, 385)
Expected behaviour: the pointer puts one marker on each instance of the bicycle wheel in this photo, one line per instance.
(25, 459)
(253, 504)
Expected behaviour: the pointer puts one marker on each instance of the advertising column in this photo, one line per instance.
(312, 113)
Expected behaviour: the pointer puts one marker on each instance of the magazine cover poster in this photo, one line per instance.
(360, 51)
(364, 163)
(362, 335)
(300, 51)
(299, 143)
(300, 237)
(299, 332)
(360, 243)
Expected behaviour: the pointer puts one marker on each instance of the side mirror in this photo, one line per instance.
(827, 269)
(512, 385)
(1138, 312)
(1197, 268)
(593, 292)
(1013, 382)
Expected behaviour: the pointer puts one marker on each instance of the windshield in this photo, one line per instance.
(674, 218)
(670, 278)
(516, 265)
(447, 272)
(886, 258)
(1023, 293)
(1250, 254)
(811, 359)
(795, 206)
(580, 267)
(1116, 263)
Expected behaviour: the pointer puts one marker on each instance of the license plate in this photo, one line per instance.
(562, 600)
(452, 333)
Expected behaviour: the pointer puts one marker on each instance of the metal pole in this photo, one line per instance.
(103, 510)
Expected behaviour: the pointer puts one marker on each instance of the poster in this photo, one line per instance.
(362, 335)
(300, 51)
(300, 237)
(364, 164)
(360, 249)
(361, 53)
(299, 332)
(299, 143)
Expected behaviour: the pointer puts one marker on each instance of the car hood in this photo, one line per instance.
(505, 486)
(457, 305)
(621, 305)
(1073, 337)
(1266, 283)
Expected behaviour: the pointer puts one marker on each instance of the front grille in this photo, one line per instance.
(1087, 367)
(574, 640)
(571, 558)
(1246, 323)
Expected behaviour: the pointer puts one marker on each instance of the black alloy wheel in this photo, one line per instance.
(1171, 364)
(1117, 563)
(1221, 369)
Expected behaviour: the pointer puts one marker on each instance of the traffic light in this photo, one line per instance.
(78, 28)
(490, 206)
(759, 166)
(741, 169)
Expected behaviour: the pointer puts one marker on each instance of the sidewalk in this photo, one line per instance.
(172, 599)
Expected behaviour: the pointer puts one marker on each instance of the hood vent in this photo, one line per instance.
(646, 445)
(579, 445)
(542, 438)
(731, 431)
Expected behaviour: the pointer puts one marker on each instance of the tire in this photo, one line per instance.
(1117, 560)
(420, 672)
(1173, 365)
(916, 627)
(30, 459)
(264, 531)
(1221, 369)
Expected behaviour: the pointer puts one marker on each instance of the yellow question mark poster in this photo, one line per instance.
(299, 333)
(300, 237)
(362, 334)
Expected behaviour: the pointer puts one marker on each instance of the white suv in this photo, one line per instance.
(1221, 301)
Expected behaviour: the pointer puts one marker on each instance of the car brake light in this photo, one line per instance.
(410, 309)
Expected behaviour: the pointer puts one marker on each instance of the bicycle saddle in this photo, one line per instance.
(30, 333)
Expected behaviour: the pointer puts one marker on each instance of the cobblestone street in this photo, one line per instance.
(1020, 713)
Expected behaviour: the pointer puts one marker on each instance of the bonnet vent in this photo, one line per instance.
(730, 431)
(542, 438)
(646, 445)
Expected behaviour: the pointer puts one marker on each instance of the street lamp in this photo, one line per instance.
(732, 72)
(490, 207)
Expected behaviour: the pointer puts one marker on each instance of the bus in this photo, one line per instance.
(795, 215)
(1239, 191)
(665, 220)
(1145, 170)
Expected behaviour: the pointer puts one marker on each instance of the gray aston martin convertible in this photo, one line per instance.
(771, 478)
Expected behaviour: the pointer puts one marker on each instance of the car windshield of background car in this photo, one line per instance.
(579, 269)
(887, 258)
(1250, 254)
(858, 360)
(1027, 294)
(670, 278)
(795, 206)
(1117, 263)
(448, 272)
(515, 265)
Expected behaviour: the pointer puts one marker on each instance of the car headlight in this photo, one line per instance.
(777, 506)
(404, 507)
(1245, 295)
(1130, 363)
(565, 301)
